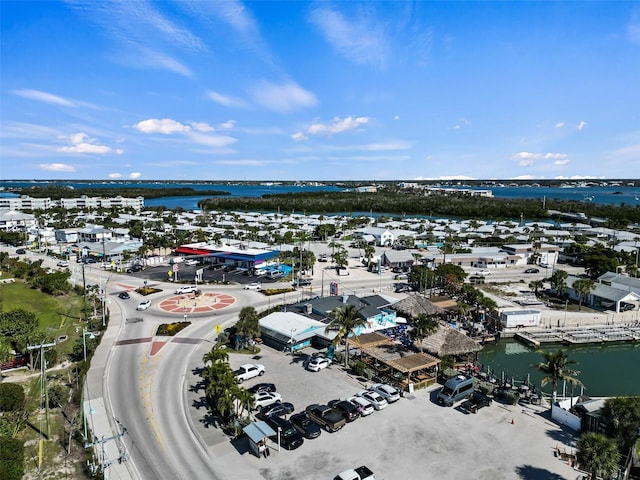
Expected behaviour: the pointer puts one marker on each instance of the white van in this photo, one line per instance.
(173, 260)
(455, 389)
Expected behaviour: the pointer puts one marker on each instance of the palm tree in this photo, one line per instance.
(244, 400)
(215, 355)
(583, 288)
(597, 454)
(422, 327)
(559, 282)
(536, 285)
(556, 366)
(346, 321)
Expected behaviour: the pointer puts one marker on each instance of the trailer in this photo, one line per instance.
(520, 318)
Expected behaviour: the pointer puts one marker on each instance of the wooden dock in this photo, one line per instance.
(579, 335)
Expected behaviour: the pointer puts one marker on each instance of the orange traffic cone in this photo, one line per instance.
(513, 422)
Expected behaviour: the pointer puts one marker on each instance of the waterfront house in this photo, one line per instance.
(605, 297)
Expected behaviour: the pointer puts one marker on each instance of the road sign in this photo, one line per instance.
(175, 267)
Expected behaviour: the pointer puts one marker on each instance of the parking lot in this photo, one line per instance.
(412, 438)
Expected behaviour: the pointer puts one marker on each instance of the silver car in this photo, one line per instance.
(373, 398)
(389, 393)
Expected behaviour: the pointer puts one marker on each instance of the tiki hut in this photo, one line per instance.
(415, 305)
(448, 341)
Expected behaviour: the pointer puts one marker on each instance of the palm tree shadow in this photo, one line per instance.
(197, 387)
(529, 472)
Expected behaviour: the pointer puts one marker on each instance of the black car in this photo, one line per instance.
(476, 402)
(21, 251)
(134, 268)
(305, 425)
(349, 411)
(262, 387)
(290, 438)
(124, 295)
(532, 270)
(275, 410)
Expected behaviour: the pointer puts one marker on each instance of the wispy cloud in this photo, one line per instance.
(337, 125)
(142, 32)
(527, 159)
(226, 100)
(56, 167)
(282, 97)
(46, 97)
(560, 125)
(362, 40)
(581, 125)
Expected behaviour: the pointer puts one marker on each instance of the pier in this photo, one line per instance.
(579, 335)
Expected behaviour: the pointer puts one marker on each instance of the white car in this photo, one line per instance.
(364, 406)
(144, 305)
(264, 399)
(186, 289)
(62, 263)
(253, 286)
(389, 393)
(249, 370)
(191, 262)
(483, 272)
(318, 363)
(373, 398)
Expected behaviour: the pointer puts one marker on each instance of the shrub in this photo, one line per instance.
(11, 397)
(171, 329)
(359, 367)
(11, 458)
(58, 395)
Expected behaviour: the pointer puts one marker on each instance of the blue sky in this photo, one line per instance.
(225, 90)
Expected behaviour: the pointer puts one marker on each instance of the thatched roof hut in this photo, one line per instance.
(416, 304)
(448, 341)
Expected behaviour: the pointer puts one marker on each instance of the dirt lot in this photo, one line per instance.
(411, 439)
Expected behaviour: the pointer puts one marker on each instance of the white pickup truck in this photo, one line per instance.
(360, 473)
(249, 370)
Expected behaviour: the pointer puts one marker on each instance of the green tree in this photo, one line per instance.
(215, 355)
(248, 324)
(536, 286)
(11, 458)
(346, 321)
(623, 416)
(597, 455)
(556, 366)
(583, 287)
(599, 260)
(559, 282)
(11, 397)
(422, 327)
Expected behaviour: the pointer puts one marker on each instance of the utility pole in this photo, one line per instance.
(105, 462)
(44, 395)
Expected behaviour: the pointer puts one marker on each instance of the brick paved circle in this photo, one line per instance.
(204, 303)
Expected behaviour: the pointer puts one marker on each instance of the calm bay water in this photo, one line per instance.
(613, 195)
(605, 370)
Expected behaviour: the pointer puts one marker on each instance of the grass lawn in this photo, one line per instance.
(55, 314)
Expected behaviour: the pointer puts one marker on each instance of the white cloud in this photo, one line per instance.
(81, 143)
(202, 127)
(226, 101)
(115, 176)
(135, 175)
(228, 125)
(456, 127)
(446, 177)
(562, 162)
(361, 40)
(298, 136)
(581, 125)
(525, 177)
(284, 97)
(57, 167)
(555, 156)
(577, 177)
(397, 117)
(45, 97)
(337, 125)
(165, 126)
(215, 141)
(119, 151)
(560, 125)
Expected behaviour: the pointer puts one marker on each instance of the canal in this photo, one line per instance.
(605, 370)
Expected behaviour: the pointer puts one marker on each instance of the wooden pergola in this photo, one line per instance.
(394, 361)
